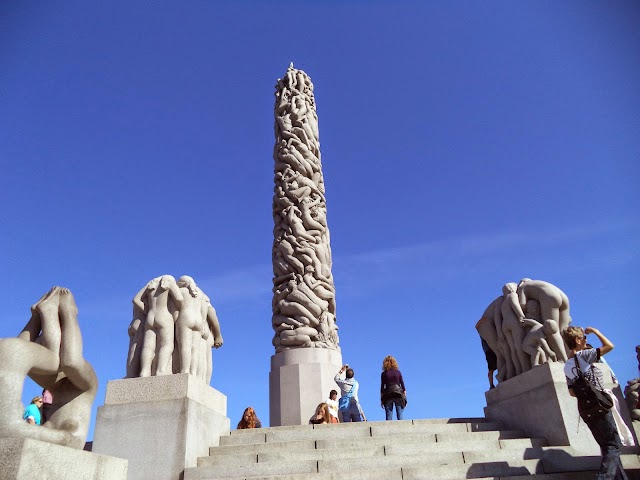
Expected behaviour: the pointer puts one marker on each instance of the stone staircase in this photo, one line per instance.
(397, 450)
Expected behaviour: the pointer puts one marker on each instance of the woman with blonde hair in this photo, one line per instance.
(322, 415)
(249, 419)
(392, 390)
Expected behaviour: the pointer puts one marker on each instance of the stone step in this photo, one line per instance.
(452, 432)
(343, 449)
(346, 471)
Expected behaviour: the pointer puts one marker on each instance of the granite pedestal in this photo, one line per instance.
(538, 402)
(160, 424)
(299, 380)
(26, 459)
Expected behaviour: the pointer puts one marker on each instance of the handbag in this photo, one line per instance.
(592, 402)
(343, 403)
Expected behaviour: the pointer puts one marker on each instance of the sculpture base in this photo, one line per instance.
(299, 380)
(539, 403)
(160, 424)
(26, 459)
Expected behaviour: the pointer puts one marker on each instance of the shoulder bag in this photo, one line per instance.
(592, 401)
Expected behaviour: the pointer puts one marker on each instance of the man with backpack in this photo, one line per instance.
(586, 384)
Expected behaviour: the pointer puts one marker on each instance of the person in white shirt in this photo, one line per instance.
(332, 402)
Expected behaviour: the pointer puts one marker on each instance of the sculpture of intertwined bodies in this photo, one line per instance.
(304, 307)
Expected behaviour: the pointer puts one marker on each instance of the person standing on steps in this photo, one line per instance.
(392, 389)
(348, 404)
(603, 426)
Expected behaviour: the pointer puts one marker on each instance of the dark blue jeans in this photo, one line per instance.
(388, 408)
(351, 414)
(605, 432)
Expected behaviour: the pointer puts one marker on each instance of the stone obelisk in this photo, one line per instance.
(304, 308)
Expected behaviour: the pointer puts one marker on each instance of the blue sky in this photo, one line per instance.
(464, 145)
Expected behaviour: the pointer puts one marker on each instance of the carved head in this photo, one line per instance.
(509, 288)
(188, 282)
(166, 281)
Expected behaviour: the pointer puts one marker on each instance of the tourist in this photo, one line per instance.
(322, 415)
(249, 420)
(348, 404)
(332, 403)
(492, 362)
(392, 389)
(602, 427)
(32, 412)
(47, 401)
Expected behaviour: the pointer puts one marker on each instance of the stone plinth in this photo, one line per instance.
(299, 380)
(161, 424)
(26, 459)
(538, 402)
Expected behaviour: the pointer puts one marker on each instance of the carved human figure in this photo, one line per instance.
(212, 338)
(304, 296)
(487, 329)
(512, 327)
(163, 302)
(136, 331)
(554, 304)
(190, 326)
(52, 357)
(535, 343)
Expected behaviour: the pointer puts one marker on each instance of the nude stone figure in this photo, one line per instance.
(487, 329)
(136, 331)
(554, 304)
(51, 357)
(535, 343)
(304, 295)
(163, 302)
(513, 329)
(190, 325)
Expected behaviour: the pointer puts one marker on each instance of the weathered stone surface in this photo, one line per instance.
(299, 380)
(523, 326)
(49, 351)
(173, 330)
(161, 424)
(304, 307)
(26, 459)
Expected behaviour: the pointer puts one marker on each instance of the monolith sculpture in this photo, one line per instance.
(304, 306)
(166, 393)
(49, 351)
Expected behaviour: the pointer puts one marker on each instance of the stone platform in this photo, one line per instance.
(538, 403)
(160, 424)
(26, 459)
(299, 380)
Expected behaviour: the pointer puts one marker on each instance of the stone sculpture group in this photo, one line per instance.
(173, 330)
(49, 351)
(523, 326)
(304, 306)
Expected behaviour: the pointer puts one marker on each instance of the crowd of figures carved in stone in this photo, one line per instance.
(304, 306)
(173, 330)
(523, 326)
(49, 351)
